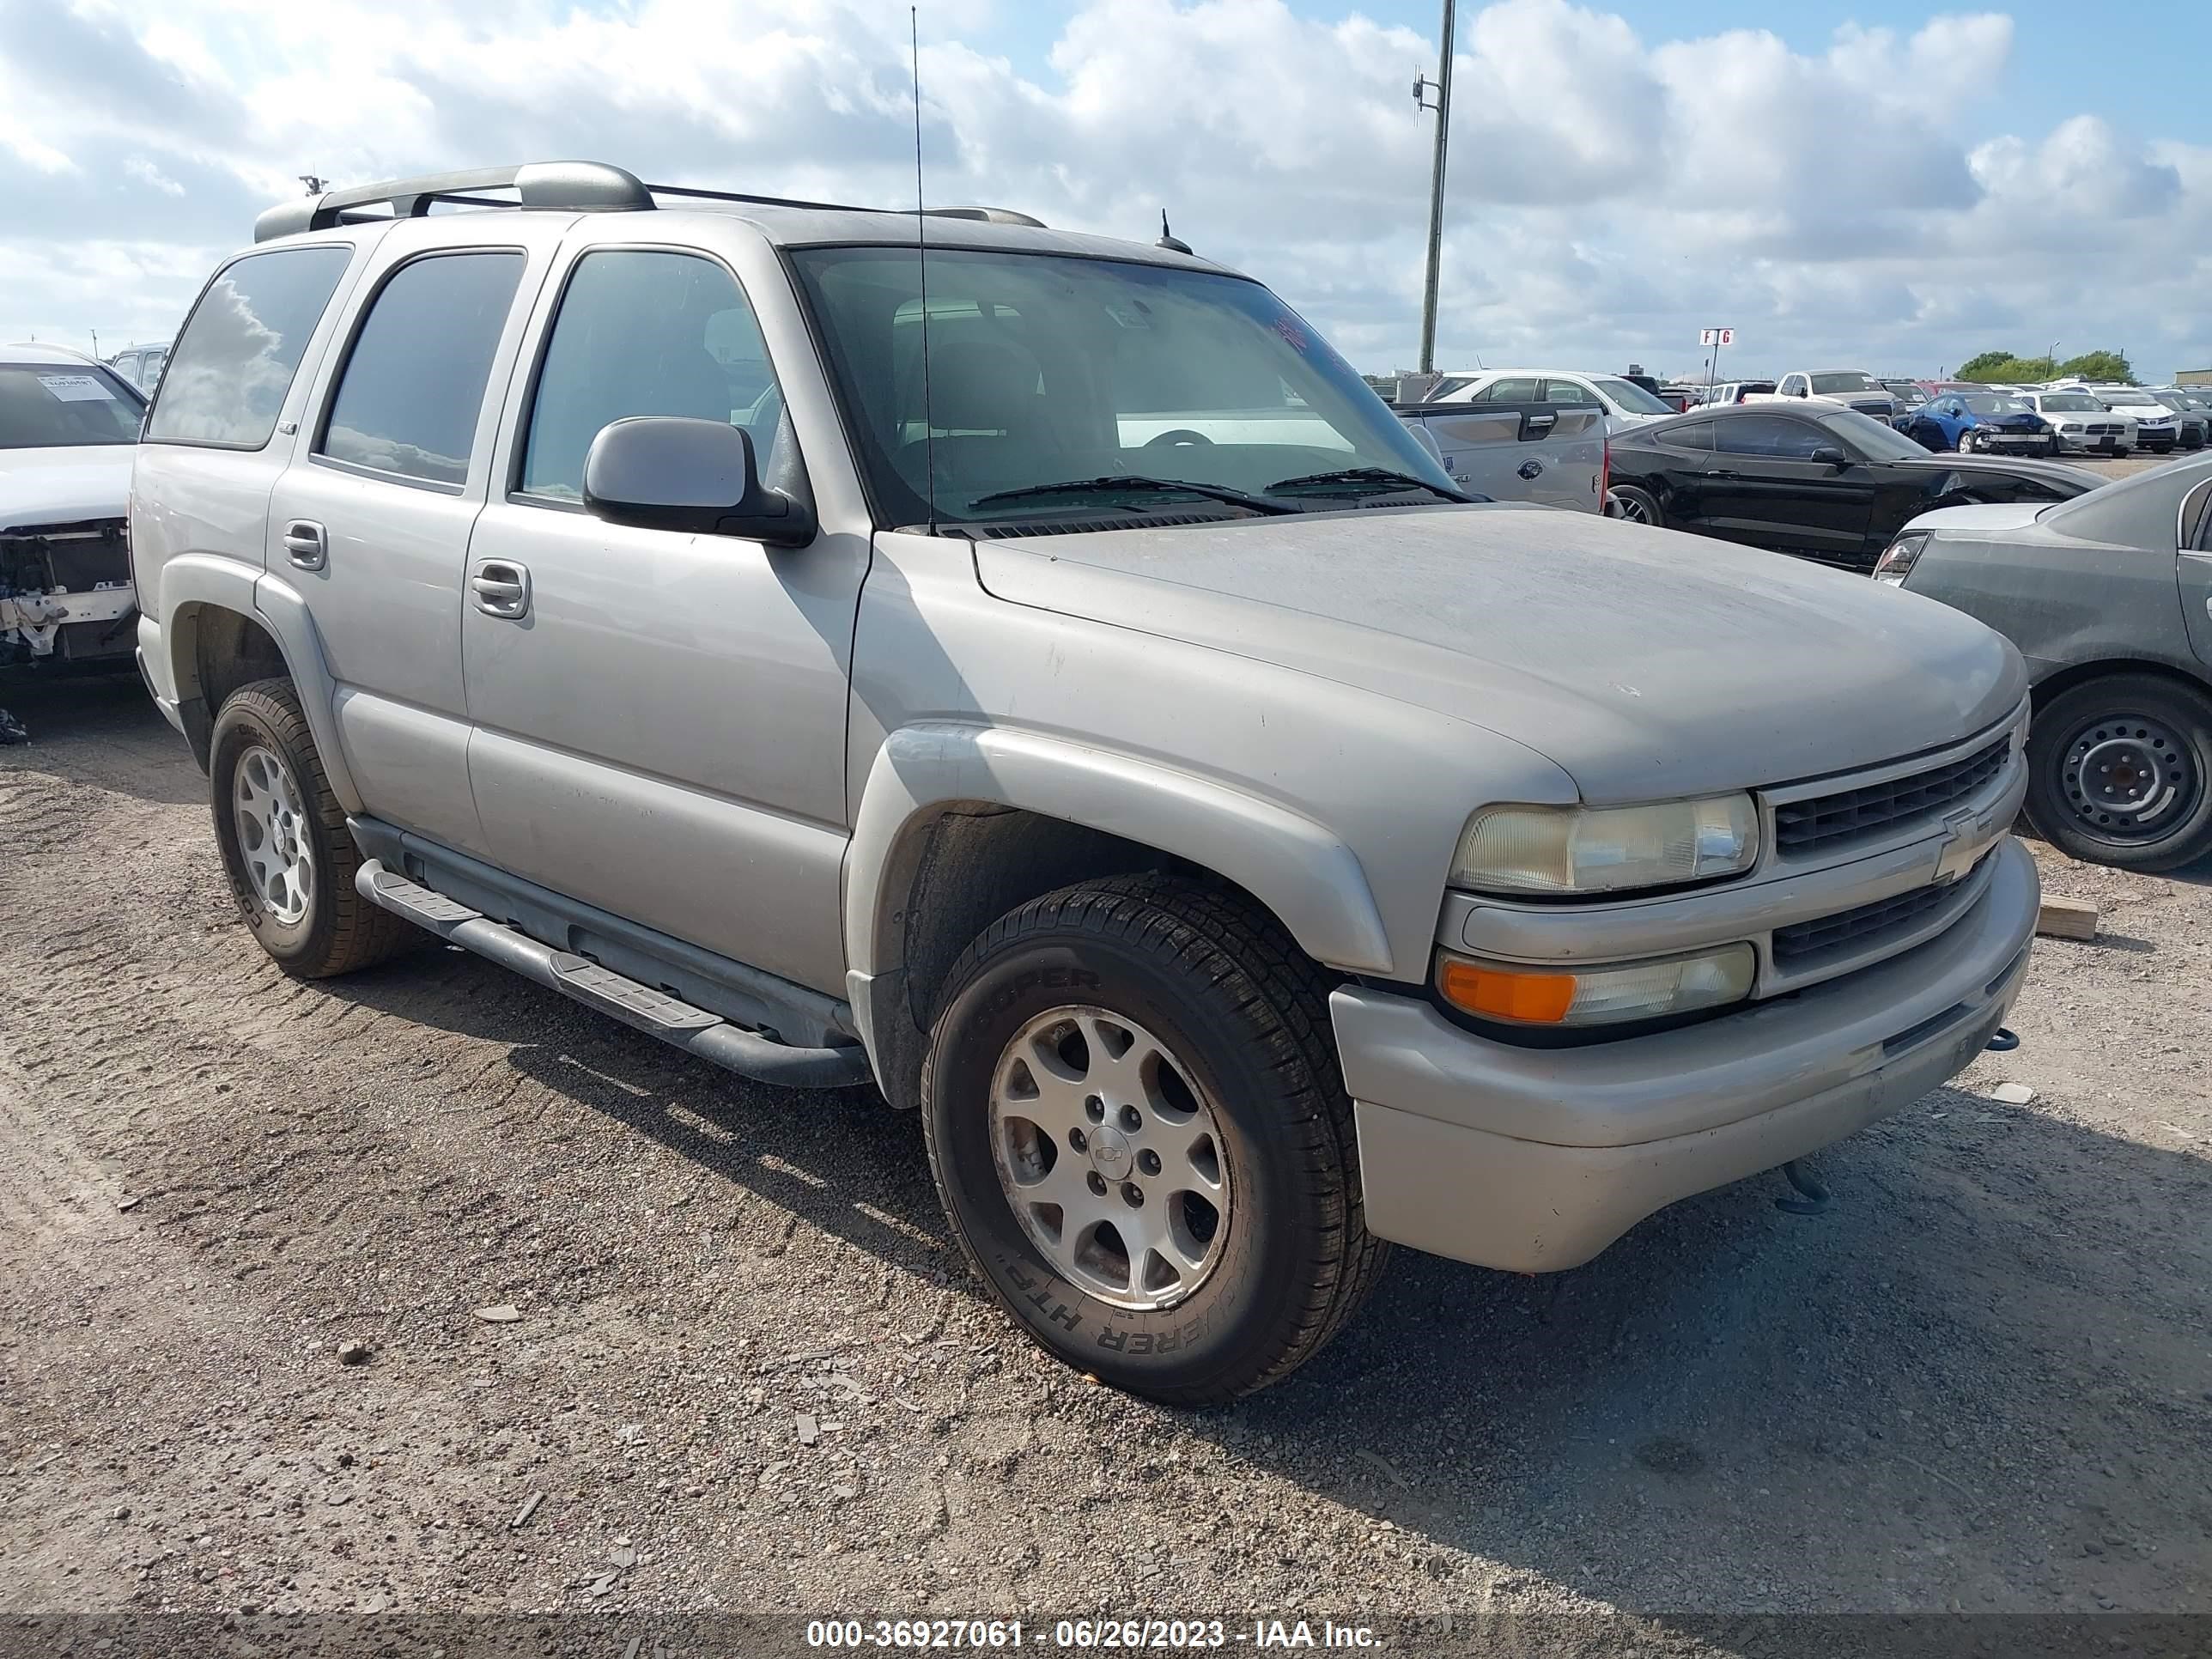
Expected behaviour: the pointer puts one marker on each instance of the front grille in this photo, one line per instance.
(1900, 910)
(1803, 825)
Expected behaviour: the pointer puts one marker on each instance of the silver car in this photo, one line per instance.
(2082, 423)
(2109, 598)
(1072, 706)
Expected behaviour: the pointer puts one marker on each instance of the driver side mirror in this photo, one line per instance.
(675, 472)
(1831, 455)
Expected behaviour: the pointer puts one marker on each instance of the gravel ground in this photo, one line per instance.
(747, 1369)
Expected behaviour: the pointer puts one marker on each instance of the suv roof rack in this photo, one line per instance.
(572, 186)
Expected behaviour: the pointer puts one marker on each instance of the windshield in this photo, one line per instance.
(1904, 392)
(2071, 402)
(1989, 403)
(2171, 399)
(54, 406)
(1877, 440)
(2115, 395)
(1626, 394)
(1823, 385)
(1043, 369)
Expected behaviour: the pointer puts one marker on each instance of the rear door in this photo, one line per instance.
(371, 522)
(1763, 487)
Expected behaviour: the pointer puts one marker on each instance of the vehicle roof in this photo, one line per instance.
(31, 352)
(810, 227)
(2143, 511)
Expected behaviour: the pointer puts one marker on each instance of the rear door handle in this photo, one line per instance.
(305, 544)
(501, 587)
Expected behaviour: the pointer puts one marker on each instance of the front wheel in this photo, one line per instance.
(284, 844)
(2118, 770)
(1138, 1129)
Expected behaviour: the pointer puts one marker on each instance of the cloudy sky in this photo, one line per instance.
(1870, 185)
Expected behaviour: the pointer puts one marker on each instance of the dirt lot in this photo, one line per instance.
(1983, 1381)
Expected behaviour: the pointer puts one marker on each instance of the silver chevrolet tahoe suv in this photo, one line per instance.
(855, 661)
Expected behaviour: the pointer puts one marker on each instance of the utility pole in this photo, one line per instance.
(1442, 87)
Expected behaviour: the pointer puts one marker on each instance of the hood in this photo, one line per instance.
(1646, 663)
(64, 485)
(2010, 466)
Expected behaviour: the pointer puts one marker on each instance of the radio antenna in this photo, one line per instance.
(922, 264)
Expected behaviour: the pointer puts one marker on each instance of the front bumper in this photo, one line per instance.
(1535, 1159)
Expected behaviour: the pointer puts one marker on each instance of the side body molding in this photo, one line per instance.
(1298, 869)
(191, 580)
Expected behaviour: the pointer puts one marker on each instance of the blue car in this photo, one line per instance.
(1967, 421)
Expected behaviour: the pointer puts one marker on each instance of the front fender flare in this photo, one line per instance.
(1308, 878)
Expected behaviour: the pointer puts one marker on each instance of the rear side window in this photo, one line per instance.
(1697, 435)
(414, 383)
(235, 360)
(1567, 394)
(643, 332)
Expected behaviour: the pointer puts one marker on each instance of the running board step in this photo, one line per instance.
(695, 1030)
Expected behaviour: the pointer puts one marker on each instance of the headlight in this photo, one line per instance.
(1605, 850)
(1896, 564)
(1519, 995)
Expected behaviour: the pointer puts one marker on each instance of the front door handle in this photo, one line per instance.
(305, 544)
(501, 587)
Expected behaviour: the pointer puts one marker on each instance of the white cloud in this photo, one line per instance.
(1608, 192)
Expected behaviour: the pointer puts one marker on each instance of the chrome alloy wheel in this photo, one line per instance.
(272, 834)
(1110, 1157)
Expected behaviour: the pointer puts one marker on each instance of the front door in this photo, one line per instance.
(659, 717)
(370, 523)
(1763, 486)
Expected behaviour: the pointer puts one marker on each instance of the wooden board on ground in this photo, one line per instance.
(2066, 918)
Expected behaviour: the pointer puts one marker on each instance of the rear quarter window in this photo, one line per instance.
(229, 371)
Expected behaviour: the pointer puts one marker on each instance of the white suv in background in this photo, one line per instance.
(1624, 402)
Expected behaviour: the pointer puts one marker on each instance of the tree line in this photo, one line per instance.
(2005, 368)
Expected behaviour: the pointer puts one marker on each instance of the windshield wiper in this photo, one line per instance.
(1371, 475)
(1150, 486)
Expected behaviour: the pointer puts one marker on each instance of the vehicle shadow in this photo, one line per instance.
(1977, 1380)
(101, 730)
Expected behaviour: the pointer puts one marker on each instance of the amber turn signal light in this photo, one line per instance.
(1496, 992)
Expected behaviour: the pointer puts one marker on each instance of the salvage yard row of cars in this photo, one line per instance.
(1242, 845)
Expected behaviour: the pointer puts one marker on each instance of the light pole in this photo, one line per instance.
(1441, 85)
(2053, 357)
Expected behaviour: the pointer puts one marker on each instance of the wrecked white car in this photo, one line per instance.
(69, 427)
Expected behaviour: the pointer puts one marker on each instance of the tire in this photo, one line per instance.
(1211, 982)
(334, 930)
(2142, 742)
(1965, 445)
(1633, 504)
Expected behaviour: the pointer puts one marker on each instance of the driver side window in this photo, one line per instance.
(646, 332)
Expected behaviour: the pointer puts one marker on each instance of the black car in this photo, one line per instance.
(1830, 485)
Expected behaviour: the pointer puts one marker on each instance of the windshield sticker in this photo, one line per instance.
(1137, 314)
(1288, 328)
(77, 388)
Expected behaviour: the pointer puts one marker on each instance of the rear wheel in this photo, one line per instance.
(1139, 1131)
(1633, 504)
(284, 843)
(2118, 770)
